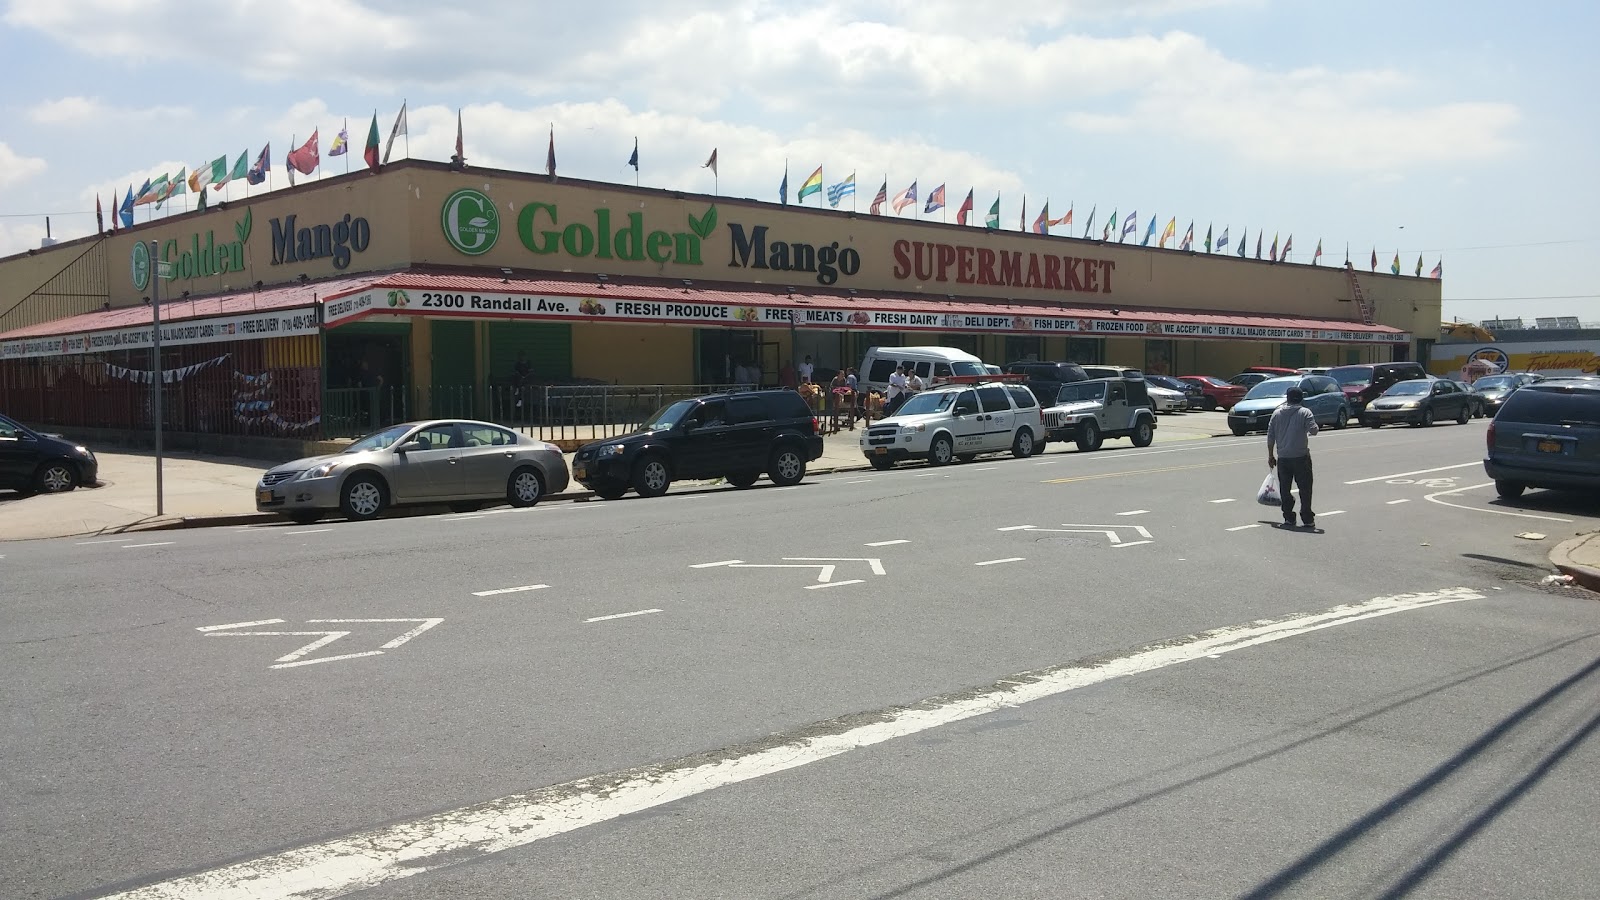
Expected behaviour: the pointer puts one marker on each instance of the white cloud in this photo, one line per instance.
(67, 110)
(16, 168)
(15, 237)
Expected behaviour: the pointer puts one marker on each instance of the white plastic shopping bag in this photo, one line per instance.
(1268, 495)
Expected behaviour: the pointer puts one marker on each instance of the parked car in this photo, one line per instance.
(1218, 394)
(1362, 382)
(1322, 397)
(1166, 400)
(1273, 371)
(1475, 403)
(1420, 401)
(460, 462)
(1313, 370)
(1088, 412)
(1045, 379)
(1194, 397)
(1494, 389)
(1546, 435)
(958, 421)
(1248, 380)
(738, 436)
(1099, 371)
(34, 462)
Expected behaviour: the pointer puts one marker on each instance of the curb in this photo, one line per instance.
(1561, 558)
(260, 518)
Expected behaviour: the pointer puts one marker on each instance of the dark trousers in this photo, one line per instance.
(1295, 470)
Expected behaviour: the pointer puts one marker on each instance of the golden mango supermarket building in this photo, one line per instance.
(325, 308)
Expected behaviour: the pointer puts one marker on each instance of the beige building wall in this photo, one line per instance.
(633, 354)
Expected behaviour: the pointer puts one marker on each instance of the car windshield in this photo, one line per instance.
(666, 417)
(1274, 388)
(1080, 391)
(922, 404)
(1351, 376)
(1495, 382)
(1409, 389)
(379, 440)
(1207, 379)
(968, 368)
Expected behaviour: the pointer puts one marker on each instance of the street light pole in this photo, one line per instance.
(155, 368)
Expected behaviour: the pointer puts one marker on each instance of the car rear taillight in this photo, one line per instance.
(1490, 436)
(816, 425)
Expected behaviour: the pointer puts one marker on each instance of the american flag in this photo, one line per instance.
(880, 200)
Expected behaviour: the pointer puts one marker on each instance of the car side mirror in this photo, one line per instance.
(411, 447)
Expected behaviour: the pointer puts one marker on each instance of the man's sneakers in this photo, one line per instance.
(1308, 523)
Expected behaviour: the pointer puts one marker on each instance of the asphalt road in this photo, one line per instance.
(1082, 675)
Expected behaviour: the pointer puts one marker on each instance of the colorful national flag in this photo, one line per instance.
(1167, 233)
(1022, 217)
(1188, 238)
(1274, 254)
(398, 129)
(1111, 225)
(174, 187)
(1208, 238)
(812, 185)
(1374, 259)
(965, 210)
(1223, 240)
(1150, 232)
(341, 141)
(201, 206)
(241, 168)
(1064, 220)
(305, 158)
(845, 188)
(370, 154)
(1258, 244)
(711, 162)
(935, 200)
(1318, 254)
(126, 212)
(1041, 225)
(1394, 267)
(461, 148)
(1129, 225)
(1089, 225)
(199, 173)
(879, 200)
(152, 190)
(1287, 246)
(99, 214)
(992, 220)
(1438, 270)
(263, 165)
(783, 186)
(905, 198)
(1244, 235)
(1419, 265)
(550, 155)
(634, 159)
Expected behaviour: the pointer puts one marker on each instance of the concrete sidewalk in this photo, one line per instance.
(208, 491)
(1579, 557)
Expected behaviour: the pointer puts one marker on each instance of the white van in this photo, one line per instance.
(929, 363)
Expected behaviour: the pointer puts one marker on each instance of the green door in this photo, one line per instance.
(455, 368)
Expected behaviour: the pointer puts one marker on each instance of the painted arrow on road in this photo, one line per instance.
(323, 638)
(1110, 531)
(825, 566)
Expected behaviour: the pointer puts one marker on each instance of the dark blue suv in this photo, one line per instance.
(1546, 435)
(737, 436)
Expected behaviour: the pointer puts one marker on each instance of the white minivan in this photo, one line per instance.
(957, 422)
(929, 363)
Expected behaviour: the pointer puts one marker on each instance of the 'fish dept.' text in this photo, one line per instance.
(981, 265)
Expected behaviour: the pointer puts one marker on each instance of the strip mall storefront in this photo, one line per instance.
(435, 284)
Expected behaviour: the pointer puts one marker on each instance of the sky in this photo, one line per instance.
(1464, 132)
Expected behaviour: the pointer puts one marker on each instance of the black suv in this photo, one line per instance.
(1045, 379)
(736, 436)
(31, 461)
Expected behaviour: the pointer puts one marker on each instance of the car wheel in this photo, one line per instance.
(787, 466)
(651, 477)
(1341, 420)
(1510, 490)
(1143, 434)
(56, 478)
(1089, 436)
(362, 498)
(941, 451)
(1477, 412)
(743, 479)
(881, 463)
(1427, 417)
(1022, 444)
(305, 518)
(1238, 430)
(1463, 416)
(525, 487)
(610, 493)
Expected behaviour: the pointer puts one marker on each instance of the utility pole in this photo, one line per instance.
(156, 274)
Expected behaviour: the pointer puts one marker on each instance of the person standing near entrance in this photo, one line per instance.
(1289, 434)
(896, 393)
(808, 372)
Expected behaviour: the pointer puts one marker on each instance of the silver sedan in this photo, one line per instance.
(463, 463)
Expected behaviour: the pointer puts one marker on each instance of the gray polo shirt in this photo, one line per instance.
(1290, 429)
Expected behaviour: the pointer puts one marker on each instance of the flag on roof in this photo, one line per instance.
(1274, 254)
(1438, 270)
(845, 188)
(1288, 245)
(880, 199)
(199, 173)
(711, 162)
(1394, 267)
(1150, 232)
(370, 153)
(1374, 259)
(1041, 225)
(1222, 241)
(1111, 225)
(1419, 265)
(634, 159)
(1089, 225)
(905, 198)
(1167, 233)
(99, 214)
(341, 141)
(174, 187)
(992, 220)
(305, 158)
(1258, 243)
(935, 200)
(1318, 254)
(399, 128)
(1130, 224)
(1244, 235)
(126, 212)
(812, 185)
(1064, 220)
(152, 190)
(1022, 216)
(1208, 237)
(263, 165)
(965, 210)
(1188, 238)
(783, 186)
(241, 168)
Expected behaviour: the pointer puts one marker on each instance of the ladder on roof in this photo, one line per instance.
(1361, 299)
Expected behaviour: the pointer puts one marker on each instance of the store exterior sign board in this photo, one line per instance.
(250, 326)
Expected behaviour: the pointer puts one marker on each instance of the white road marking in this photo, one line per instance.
(1431, 498)
(924, 474)
(996, 562)
(1134, 512)
(1417, 472)
(813, 587)
(876, 564)
(1223, 500)
(239, 625)
(323, 659)
(461, 518)
(106, 541)
(426, 624)
(1337, 512)
(155, 544)
(312, 531)
(642, 612)
(984, 469)
(1130, 544)
(1048, 462)
(368, 859)
(1393, 502)
(792, 487)
(510, 590)
(860, 481)
(1014, 528)
(1243, 527)
(726, 562)
(323, 638)
(886, 543)
(823, 572)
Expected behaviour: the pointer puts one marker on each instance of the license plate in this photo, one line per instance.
(881, 451)
(579, 471)
(1549, 446)
(263, 496)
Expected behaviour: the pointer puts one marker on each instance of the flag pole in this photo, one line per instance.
(346, 132)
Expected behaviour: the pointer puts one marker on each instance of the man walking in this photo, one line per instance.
(1289, 451)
